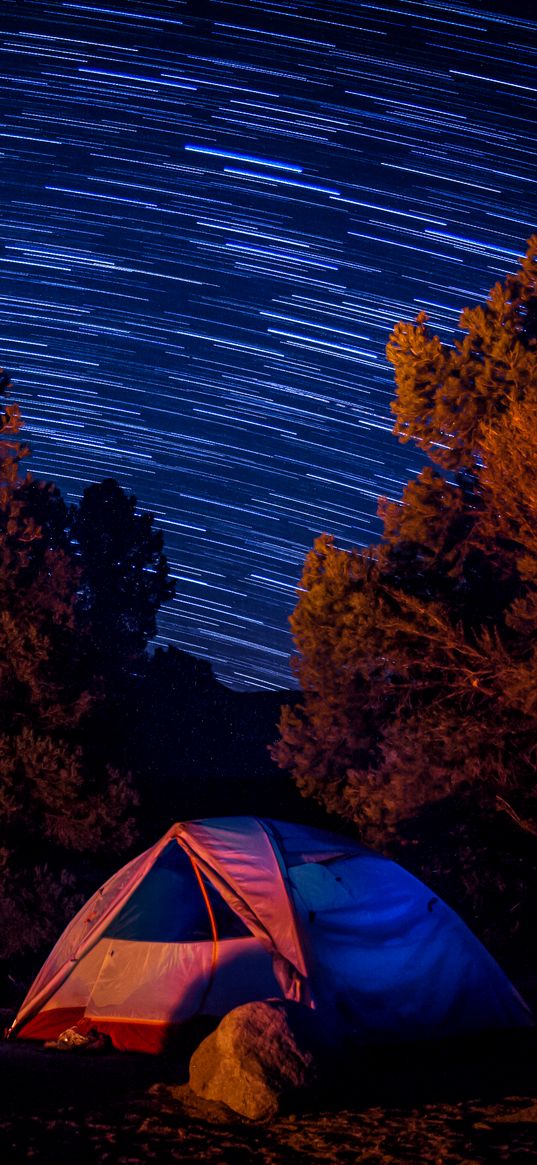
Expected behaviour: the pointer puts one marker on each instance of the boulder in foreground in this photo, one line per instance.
(259, 1056)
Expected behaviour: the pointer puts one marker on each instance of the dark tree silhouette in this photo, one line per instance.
(124, 574)
(53, 804)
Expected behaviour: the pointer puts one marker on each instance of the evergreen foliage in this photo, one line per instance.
(99, 736)
(417, 657)
(124, 574)
(53, 803)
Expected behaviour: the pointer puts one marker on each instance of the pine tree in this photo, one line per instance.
(52, 804)
(417, 657)
(124, 575)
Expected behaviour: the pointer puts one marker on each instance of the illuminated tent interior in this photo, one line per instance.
(223, 911)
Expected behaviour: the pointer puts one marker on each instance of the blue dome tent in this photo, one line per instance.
(220, 912)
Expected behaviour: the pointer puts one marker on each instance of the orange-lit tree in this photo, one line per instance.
(51, 805)
(417, 657)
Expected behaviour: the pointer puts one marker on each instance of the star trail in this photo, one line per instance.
(213, 215)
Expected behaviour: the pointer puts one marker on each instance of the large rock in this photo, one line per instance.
(259, 1055)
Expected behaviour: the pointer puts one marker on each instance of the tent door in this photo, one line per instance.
(150, 981)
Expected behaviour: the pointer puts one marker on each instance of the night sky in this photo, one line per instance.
(212, 216)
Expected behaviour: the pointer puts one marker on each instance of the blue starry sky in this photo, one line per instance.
(212, 216)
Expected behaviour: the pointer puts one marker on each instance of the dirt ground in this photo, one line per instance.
(464, 1105)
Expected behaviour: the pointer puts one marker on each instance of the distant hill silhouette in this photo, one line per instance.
(195, 747)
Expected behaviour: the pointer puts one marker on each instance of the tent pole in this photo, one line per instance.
(214, 932)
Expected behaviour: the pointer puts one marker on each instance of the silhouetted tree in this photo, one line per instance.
(124, 574)
(52, 803)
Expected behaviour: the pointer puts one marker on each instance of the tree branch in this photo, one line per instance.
(522, 822)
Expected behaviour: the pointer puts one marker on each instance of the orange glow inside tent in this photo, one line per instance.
(220, 912)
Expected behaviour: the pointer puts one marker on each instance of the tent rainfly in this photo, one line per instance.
(220, 912)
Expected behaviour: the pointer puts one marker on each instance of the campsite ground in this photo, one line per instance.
(467, 1105)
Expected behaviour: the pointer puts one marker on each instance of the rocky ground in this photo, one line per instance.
(474, 1103)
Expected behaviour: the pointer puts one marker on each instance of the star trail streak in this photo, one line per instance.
(213, 214)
